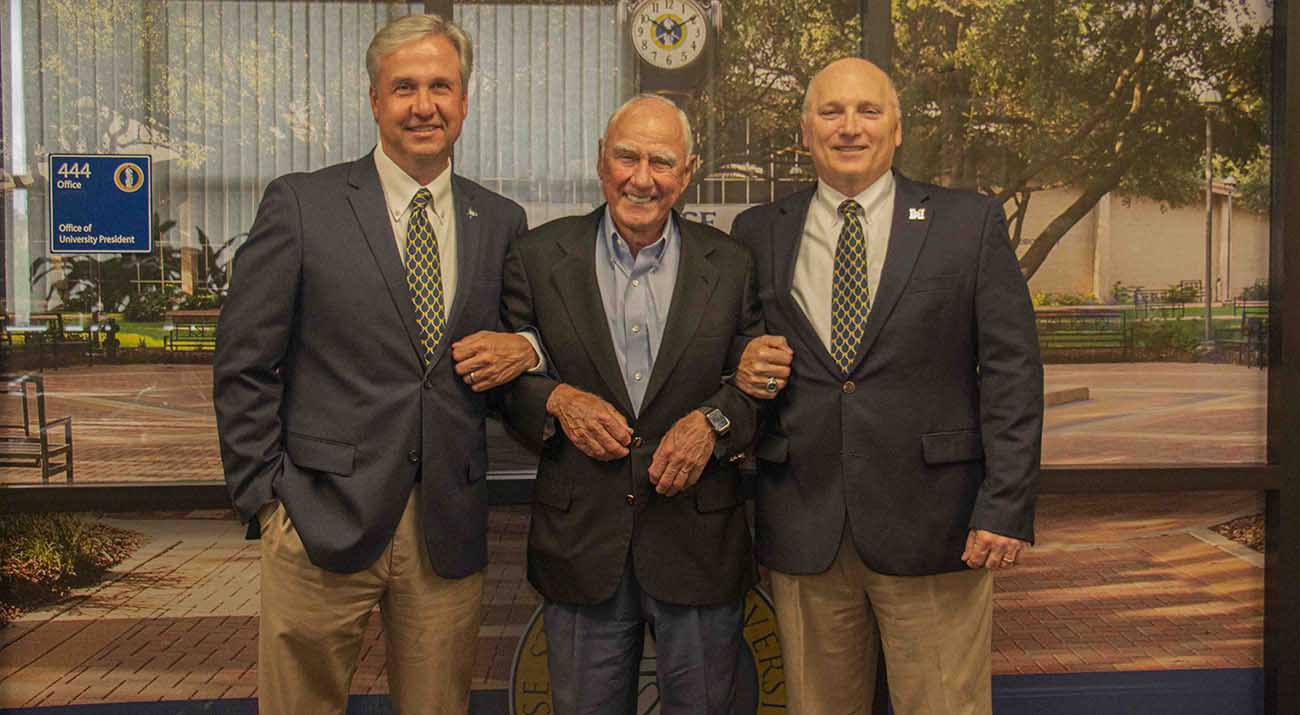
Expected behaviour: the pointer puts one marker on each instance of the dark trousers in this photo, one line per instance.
(594, 653)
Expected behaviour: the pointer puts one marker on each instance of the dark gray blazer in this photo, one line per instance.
(938, 428)
(320, 394)
(692, 548)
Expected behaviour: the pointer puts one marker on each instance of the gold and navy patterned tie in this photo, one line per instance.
(424, 274)
(850, 301)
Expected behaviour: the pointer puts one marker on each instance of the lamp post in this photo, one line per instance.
(1231, 184)
(1209, 99)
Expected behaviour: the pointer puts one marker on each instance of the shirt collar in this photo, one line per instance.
(399, 187)
(870, 199)
(618, 250)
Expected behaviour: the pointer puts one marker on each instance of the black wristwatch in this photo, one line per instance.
(717, 420)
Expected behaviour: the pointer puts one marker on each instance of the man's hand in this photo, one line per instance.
(590, 423)
(680, 458)
(764, 367)
(486, 360)
(985, 549)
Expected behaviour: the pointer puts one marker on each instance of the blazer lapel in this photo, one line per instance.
(787, 236)
(574, 275)
(906, 237)
(367, 200)
(696, 279)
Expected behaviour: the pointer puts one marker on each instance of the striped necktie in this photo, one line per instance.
(424, 275)
(850, 299)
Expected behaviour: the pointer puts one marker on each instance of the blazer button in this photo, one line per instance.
(849, 387)
(630, 499)
(636, 442)
(428, 384)
(413, 456)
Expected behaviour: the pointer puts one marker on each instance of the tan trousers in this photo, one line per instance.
(313, 621)
(936, 631)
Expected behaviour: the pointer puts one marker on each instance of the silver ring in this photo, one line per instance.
(771, 385)
(471, 377)
(1008, 561)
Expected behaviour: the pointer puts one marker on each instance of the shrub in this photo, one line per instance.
(44, 556)
(1166, 339)
(1051, 299)
(149, 306)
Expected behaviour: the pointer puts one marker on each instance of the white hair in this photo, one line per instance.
(648, 97)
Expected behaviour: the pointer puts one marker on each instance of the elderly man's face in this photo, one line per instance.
(643, 168)
(851, 126)
(419, 103)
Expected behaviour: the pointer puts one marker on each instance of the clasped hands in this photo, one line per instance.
(602, 433)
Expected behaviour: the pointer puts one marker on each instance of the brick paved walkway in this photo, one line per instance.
(155, 422)
(1117, 583)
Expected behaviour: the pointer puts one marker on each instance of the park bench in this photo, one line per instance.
(1248, 338)
(28, 443)
(1152, 303)
(190, 330)
(1073, 332)
(44, 335)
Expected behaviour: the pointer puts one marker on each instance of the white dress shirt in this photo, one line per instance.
(399, 189)
(814, 269)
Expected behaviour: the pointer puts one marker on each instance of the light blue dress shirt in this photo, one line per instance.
(636, 293)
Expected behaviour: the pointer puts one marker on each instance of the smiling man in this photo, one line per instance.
(901, 463)
(354, 356)
(638, 517)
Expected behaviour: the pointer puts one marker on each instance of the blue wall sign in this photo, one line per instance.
(100, 203)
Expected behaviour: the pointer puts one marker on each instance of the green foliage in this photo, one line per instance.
(1121, 294)
(43, 556)
(1166, 339)
(1176, 293)
(1255, 291)
(1043, 299)
(149, 306)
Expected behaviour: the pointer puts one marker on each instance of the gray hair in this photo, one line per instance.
(648, 97)
(889, 83)
(415, 27)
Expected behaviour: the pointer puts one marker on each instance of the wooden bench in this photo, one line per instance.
(1092, 332)
(28, 444)
(1249, 338)
(190, 330)
(1156, 303)
(44, 334)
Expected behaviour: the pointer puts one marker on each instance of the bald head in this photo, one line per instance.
(851, 124)
(851, 64)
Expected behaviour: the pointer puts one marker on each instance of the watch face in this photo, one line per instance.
(669, 34)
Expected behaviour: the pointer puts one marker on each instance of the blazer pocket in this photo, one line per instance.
(773, 448)
(932, 284)
(718, 493)
(320, 454)
(556, 492)
(954, 446)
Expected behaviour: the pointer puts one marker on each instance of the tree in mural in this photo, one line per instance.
(1013, 97)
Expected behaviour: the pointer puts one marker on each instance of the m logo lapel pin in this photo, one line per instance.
(915, 214)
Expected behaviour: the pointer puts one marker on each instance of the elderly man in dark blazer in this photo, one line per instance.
(638, 516)
(353, 356)
(901, 464)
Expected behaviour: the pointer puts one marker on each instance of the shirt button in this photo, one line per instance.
(849, 387)
(636, 328)
(413, 456)
(636, 283)
(428, 384)
(636, 376)
(630, 499)
(636, 441)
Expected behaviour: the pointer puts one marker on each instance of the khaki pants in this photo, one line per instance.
(936, 631)
(313, 621)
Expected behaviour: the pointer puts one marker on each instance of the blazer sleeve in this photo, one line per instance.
(740, 408)
(524, 400)
(1011, 387)
(253, 334)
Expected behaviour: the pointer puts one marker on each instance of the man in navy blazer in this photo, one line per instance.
(901, 462)
(354, 353)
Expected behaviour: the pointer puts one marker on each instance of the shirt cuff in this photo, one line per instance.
(531, 336)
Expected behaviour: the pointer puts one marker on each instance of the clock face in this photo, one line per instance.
(669, 34)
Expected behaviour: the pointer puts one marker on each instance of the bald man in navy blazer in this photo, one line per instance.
(901, 462)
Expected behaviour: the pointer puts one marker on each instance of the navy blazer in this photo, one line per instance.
(321, 396)
(938, 428)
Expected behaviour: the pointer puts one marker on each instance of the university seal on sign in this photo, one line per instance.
(760, 679)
